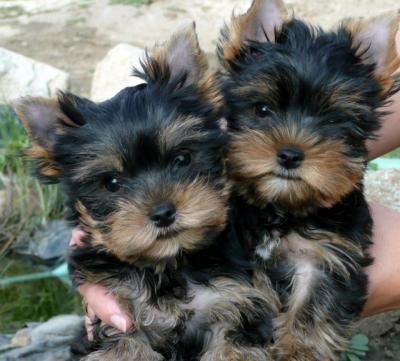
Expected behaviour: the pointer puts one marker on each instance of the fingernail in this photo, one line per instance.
(119, 322)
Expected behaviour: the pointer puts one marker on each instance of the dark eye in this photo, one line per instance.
(112, 183)
(262, 110)
(182, 159)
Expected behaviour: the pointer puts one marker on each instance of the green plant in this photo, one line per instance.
(393, 154)
(33, 301)
(373, 166)
(132, 2)
(357, 349)
(26, 204)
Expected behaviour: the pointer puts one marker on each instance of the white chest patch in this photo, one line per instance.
(268, 246)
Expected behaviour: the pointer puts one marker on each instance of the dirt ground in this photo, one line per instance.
(74, 35)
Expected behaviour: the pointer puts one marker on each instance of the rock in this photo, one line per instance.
(114, 72)
(59, 326)
(18, 7)
(21, 338)
(5, 342)
(48, 341)
(382, 186)
(20, 76)
(379, 325)
(48, 245)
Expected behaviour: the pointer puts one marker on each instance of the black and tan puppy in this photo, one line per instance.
(144, 176)
(301, 104)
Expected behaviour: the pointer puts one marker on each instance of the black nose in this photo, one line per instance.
(163, 214)
(290, 157)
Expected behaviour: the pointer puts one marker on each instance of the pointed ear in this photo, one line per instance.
(179, 60)
(44, 120)
(375, 42)
(261, 23)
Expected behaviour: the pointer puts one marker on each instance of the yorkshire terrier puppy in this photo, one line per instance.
(301, 104)
(144, 176)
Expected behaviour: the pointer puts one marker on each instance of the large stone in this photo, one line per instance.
(20, 76)
(114, 72)
(19, 7)
(49, 245)
(48, 341)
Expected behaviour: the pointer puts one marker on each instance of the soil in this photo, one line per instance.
(74, 35)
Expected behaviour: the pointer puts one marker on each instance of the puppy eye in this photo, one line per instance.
(182, 159)
(112, 183)
(262, 110)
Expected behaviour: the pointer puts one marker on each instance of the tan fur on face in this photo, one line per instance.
(44, 159)
(131, 236)
(324, 177)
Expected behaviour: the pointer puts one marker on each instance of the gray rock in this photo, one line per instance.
(48, 341)
(114, 72)
(379, 325)
(5, 342)
(59, 326)
(49, 245)
(20, 76)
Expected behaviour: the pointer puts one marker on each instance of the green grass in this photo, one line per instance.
(75, 21)
(393, 154)
(28, 204)
(85, 4)
(131, 2)
(11, 12)
(33, 301)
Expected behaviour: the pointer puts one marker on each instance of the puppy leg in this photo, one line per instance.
(326, 293)
(223, 348)
(126, 348)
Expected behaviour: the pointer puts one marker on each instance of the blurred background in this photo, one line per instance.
(89, 47)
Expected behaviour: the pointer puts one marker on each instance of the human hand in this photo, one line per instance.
(100, 302)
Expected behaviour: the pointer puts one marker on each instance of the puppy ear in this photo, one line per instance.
(44, 121)
(260, 23)
(375, 42)
(179, 61)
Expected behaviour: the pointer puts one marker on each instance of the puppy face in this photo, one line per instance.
(302, 102)
(143, 171)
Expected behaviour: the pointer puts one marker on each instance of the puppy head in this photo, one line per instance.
(143, 171)
(302, 102)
